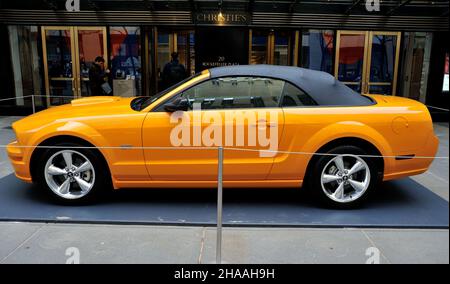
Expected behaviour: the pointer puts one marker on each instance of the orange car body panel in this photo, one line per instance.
(395, 126)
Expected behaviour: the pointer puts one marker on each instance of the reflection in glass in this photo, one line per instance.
(380, 89)
(317, 50)
(59, 60)
(182, 46)
(259, 48)
(125, 45)
(351, 57)
(185, 49)
(236, 92)
(192, 53)
(59, 54)
(163, 50)
(415, 58)
(90, 45)
(182, 42)
(60, 91)
(383, 58)
(281, 52)
(355, 87)
(26, 66)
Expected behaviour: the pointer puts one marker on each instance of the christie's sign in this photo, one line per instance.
(222, 18)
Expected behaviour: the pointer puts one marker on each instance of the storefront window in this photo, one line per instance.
(164, 51)
(183, 43)
(383, 58)
(259, 48)
(281, 50)
(186, 50)
(26, 64)
(317, 50)
(351, 58)
(125, 44)
(416, 52)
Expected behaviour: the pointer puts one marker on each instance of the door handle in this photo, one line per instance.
(268, 124)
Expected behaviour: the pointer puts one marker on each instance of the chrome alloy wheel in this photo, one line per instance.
(345, 178)
(69, 174)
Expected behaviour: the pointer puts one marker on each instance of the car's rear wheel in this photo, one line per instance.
(71, 174)
(344, 177)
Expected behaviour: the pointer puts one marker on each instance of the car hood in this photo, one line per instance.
(77, 109)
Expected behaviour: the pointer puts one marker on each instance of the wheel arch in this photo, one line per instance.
(38, 152)
(349, 141)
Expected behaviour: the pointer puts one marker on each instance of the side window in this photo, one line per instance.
(293, 96)
(235, 92)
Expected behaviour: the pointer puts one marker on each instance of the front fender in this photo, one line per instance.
(68, 128)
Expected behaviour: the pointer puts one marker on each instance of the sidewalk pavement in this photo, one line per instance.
(49, 243)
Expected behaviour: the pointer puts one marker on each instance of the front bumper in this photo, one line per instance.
(16, 156)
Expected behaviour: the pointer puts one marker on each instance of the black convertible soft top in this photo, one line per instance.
(321, 86)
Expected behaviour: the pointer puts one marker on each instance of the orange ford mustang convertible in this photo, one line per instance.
(270, 120)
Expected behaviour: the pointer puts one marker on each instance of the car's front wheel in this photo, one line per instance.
(72, 174)
(344, 177)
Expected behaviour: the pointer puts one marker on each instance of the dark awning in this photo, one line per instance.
(414, 15)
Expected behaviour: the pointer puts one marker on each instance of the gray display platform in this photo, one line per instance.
(397, 204)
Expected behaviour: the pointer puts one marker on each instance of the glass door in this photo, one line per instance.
(367, 61)
(381, 75)
(58, 48)
(351, 57)
(269, 47)
(69, 52)
(281, 48)
(168, 42)
(259, 47)
(90, 42)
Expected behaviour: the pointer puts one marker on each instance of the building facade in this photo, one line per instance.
(396, 47)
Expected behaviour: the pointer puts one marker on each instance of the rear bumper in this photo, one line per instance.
(16, 157)
(416, 165)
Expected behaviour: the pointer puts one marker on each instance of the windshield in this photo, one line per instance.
(148, 101)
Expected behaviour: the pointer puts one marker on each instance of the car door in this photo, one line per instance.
(302, 118)
(234, 112)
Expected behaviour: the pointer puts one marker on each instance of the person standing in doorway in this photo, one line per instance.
(173, 72)
(99, 78)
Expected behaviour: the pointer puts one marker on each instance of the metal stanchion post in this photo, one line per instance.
(32, 103)
(219, 206)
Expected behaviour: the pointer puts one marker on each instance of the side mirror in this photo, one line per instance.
(177, 105)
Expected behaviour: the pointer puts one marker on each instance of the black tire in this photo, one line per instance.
(323, 164)
(101, 181)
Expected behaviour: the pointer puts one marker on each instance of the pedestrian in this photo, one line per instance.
(173, 72)
(99, 78)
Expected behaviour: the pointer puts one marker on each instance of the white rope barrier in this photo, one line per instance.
(15, 98)
(224, 148)
(73, 98)
(439, 108)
